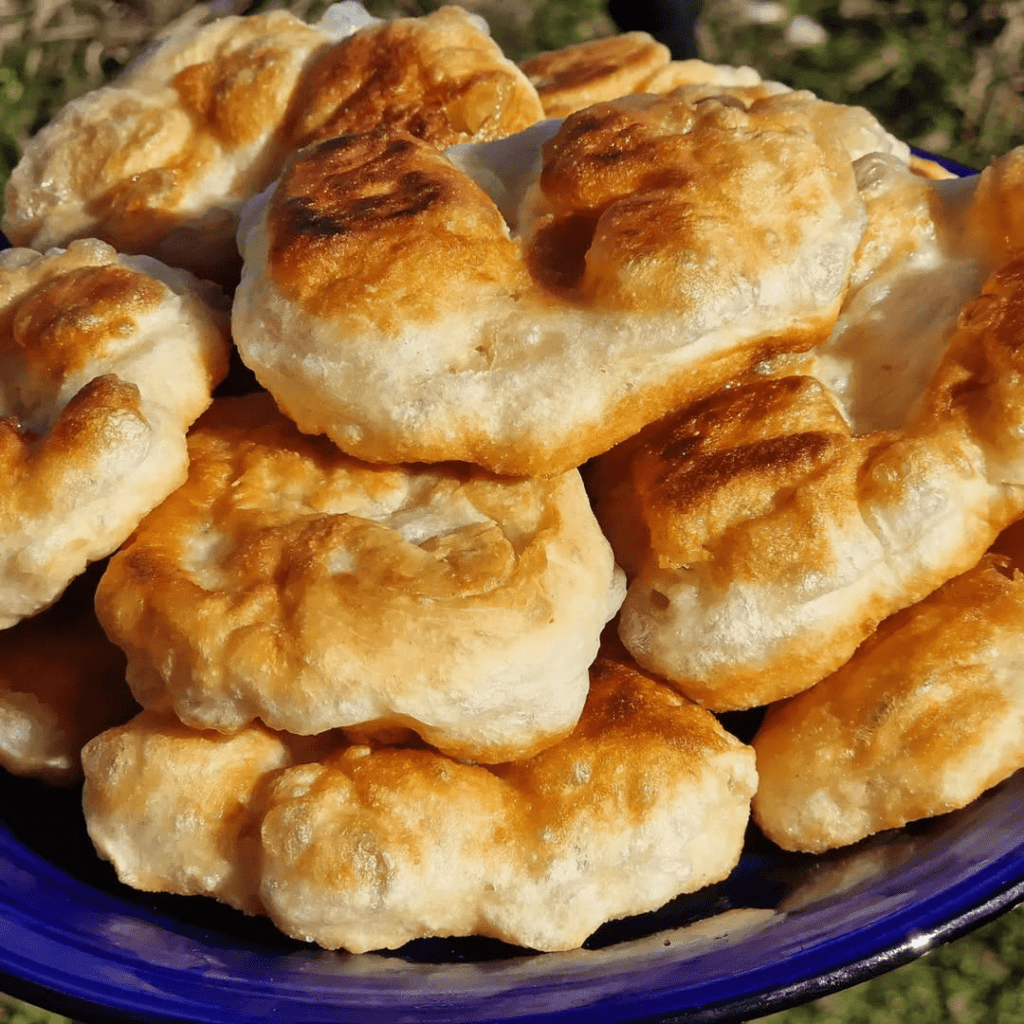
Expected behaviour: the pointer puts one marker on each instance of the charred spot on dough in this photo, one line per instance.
(607, 152)
(690, 482)
(557, 256)
(760, 410)
(328, 194)
(438, 77)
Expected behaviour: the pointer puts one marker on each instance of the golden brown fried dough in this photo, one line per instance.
(162, 160)
(61, 683)
(105, 361)
(440, 77)
(595, 71)
(288, 582)
(927, 715)
(171, 807)
(366, 848)
(771, 526)
(607, 68)
(647, 264)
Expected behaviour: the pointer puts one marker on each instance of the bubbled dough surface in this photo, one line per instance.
(640, 272)
(105, 361)
(162, 160)
(289, 582)
(365, 848)
(925, 716)
(773, 525)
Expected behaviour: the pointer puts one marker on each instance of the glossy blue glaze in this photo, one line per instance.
(782, 929)
(954, 166)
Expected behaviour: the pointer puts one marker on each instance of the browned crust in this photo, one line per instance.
(600, 69)
(749, 485)
(437, 77)
(378, 202)
(72, 320)
(895, 720)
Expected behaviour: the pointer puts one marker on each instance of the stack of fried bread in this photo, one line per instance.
(590, 398)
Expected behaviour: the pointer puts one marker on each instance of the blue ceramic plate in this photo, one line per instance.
(784, 928)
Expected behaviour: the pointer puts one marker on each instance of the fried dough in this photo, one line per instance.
(105, 361)
(170, 806)
(366, 848)
(288, 582)
(601, 69)
(926, 715)
(647, 264)
(439, 77)
(162, 160)
(61, 683)
(771, 526)
(609, 67)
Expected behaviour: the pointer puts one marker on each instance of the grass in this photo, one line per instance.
(948, 77)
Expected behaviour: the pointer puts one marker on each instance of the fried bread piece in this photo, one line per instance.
(647, 263)
(368, 847)
(171, 807)
(61, 683)
(606, 68)
(579, 76)
(926, 716)
(771, 526)
(162, 160)
(288, 582)
(600, 69)
(105, 361)
(440, 77)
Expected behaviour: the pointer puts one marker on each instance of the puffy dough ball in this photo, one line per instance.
(770, 527)
(656, 248)
(162, 160)
(368, 847)
(927, 715)
(105, 361)
(288, 582)
(62, 682)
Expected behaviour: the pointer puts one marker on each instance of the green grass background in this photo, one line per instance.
(947, 76)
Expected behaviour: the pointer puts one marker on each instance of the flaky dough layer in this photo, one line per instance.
(288, 582)
(645, 264)
(366, 848)
(105, 361)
